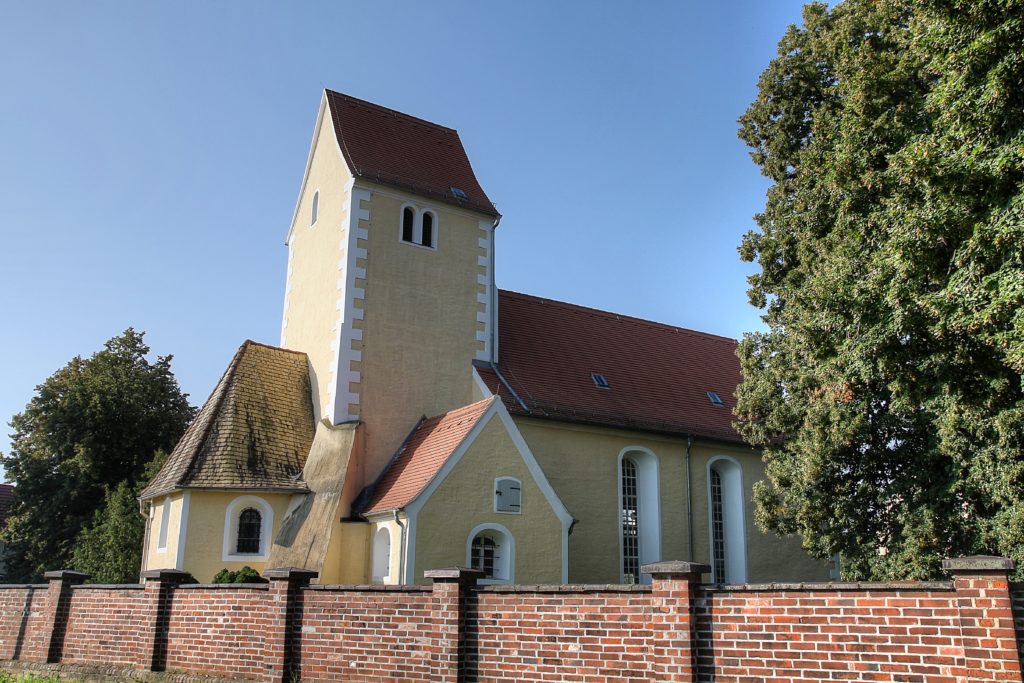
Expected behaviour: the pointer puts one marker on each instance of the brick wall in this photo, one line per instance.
(967, 629)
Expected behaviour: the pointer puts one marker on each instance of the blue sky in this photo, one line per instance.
(150, 156)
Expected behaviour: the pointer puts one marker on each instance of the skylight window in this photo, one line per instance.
(715, 399)
(459, 194)
(599, 381)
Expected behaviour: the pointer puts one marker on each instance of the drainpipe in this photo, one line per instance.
(401, 548)
(689, 500)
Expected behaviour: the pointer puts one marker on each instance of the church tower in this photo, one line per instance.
(390, 284)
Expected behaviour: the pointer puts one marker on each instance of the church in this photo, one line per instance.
(416, 417)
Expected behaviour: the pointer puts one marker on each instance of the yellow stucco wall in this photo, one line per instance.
(204, 541)
(311, 292)
(165, 558)
(465, 499)
(582, 462)
(394, 575)
(419, 327)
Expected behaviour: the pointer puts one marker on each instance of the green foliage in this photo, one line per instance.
(244, 575)
(91, 426)
(8, 677)
(887, 393)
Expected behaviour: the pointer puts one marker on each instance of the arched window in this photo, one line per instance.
(490, 549)
(382, 555)
(639, 513)
(408, 222)
(427, 235)
(726, 524)
(250, 525)
(314, 212)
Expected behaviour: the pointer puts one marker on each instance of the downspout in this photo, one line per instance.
(493, 360)
(401, 548)
(689, 500)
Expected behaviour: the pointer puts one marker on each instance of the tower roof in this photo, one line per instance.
(392, 148)
(254, 432)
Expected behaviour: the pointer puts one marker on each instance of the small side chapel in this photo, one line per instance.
(415, 417)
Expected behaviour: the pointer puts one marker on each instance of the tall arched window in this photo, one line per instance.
(250, 525)
(315, 210)
(726, 524)
(408, 222)
(491, 549)
(382, 555)
(427, 234)
(639, 513)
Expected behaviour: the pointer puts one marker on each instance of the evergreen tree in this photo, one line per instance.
(887, 391)
(92, 425)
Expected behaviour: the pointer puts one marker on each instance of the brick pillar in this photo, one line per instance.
(449, 619)
(58, 603)
(988, 636)
(673, 627)
(285, 622)
(158, 585)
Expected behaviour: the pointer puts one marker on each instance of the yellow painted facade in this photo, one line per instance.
(465, 500)
(167, 508)
(315, 253)
(582, 462)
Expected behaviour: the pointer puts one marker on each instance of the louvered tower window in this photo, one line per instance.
(630, 523)
(250, 523)
(717, 528)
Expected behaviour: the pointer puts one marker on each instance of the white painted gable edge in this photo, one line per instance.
(413, 507)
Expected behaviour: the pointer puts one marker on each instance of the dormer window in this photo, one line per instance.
(419, 227)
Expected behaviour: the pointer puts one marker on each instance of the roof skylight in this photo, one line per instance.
(459, 194)
(715, 399)
(599, 381)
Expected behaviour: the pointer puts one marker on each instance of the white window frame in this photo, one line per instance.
(231, 515)
(165, 523)
(417, 226)
(648, 483)
(733, 507)
(378, 552)
(508, 512)
(508, 552)
(314, 209)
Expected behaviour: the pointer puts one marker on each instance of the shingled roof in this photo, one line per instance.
(424, 453)
(393, 148)
(658, 375)
(254, 432)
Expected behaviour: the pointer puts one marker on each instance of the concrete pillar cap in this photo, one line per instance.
(672, 567)
(166, 575)
(66, 575)
(290, 573)
(454, 574)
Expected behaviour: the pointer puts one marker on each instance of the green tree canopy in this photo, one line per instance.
(887, 391)
(92, 425)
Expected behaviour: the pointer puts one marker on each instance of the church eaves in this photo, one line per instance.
(388, 147)
(253, 433)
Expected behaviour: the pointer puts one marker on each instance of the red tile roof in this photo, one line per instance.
(658, 375)
(6, 500)
(396, 149)
(426, 451)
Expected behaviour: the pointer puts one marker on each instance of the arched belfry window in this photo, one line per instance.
(315, 209)
(382, 555)
(726, 524)
(419, 227)
(639, 513)
(250, 524)
(491, 549)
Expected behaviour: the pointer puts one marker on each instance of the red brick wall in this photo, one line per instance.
(103, 624)
(868, 635)
(21, 613)
(217, 630)
(1017, 599)
(967, 630)
(565, 633)
(365, 635)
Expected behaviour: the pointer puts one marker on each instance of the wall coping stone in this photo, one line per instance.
(977, 563)
(109, 586)
(566, 588)
(66, 575)
(12, 586)
(225, 586)
(834, 586)
(669, 567)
